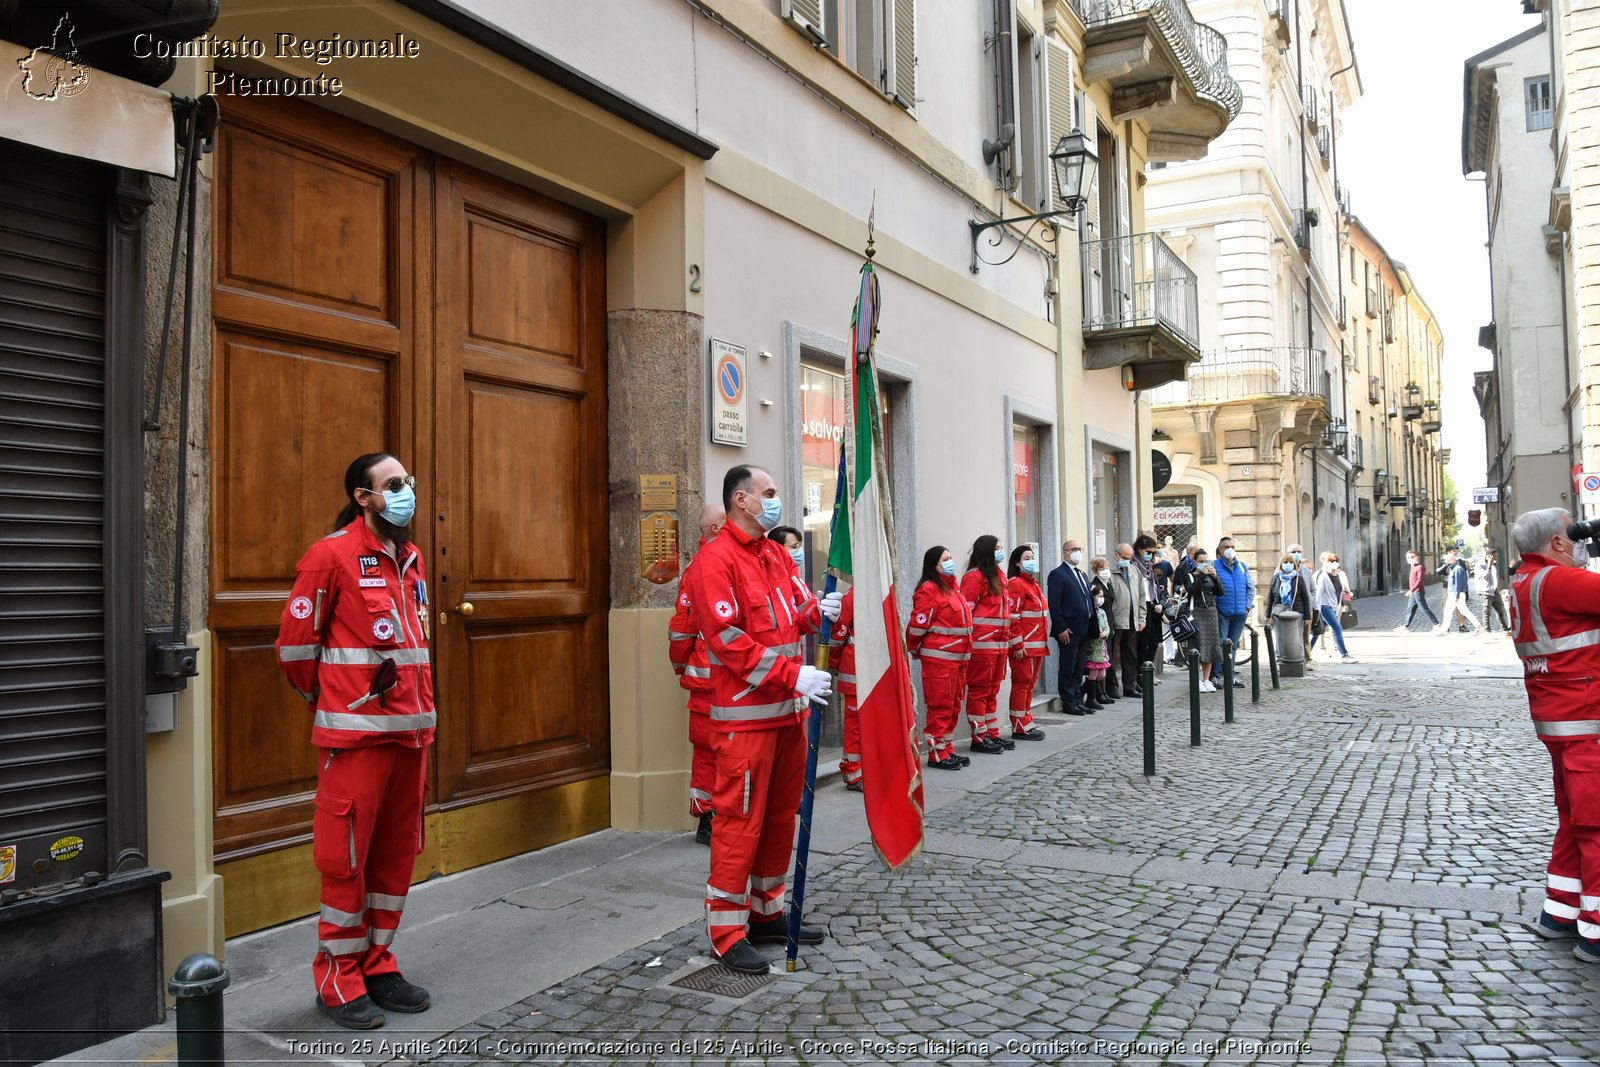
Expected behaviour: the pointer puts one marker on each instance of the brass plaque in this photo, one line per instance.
(658, 492)
(658, 547)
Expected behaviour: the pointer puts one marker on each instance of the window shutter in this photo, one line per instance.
(900, 52)
(1061, 94)
(1094, 293)
(805, 16)
(1091, 129)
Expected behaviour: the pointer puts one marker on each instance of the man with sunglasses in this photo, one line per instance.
(353, 642)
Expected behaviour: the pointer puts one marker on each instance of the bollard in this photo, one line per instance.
(1227, 678)
(1292, 651)
(1147, 682)
(1272, 657)
(1194, 697)
(1255, 666)
(198, 984)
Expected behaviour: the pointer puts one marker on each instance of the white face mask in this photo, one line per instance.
(1227, 553)
(1076, 557)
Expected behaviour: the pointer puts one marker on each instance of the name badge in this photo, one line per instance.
(373, 583)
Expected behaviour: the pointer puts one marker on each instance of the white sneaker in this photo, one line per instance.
(1401, 630)
(1207, 687)
(1348, 659)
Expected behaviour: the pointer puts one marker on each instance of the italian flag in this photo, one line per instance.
(891, 764)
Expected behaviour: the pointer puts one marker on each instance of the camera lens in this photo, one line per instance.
(1584, 531)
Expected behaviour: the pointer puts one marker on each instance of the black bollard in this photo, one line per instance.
(1255, 666)
(1227, 681)
(1272, 656)
(1194, 697)
(198, 984)
(1147, 682)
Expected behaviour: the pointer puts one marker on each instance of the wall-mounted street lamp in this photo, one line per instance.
(1073, 164)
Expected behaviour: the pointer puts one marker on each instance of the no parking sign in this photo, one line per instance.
(729, 405)
(1589, 488)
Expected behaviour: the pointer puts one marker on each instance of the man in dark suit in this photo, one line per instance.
(1072, 623)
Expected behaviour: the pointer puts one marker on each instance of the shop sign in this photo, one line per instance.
(1175, 514)
(1489, 495)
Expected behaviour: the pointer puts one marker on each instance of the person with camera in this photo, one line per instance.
(1555, 617)
(1155, 597)
(1455, 593)
(1493, 592)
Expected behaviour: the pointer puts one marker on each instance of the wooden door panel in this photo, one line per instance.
(524, 291)
(536, 708)
(265, 772)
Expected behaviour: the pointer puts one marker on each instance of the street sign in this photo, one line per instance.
(1489, 495)
(1160, 470)
(729, 399)
(1589, 488)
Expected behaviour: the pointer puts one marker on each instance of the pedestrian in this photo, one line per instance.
(1331, 596)
(1416, 598)
(1097, 659)
(1557, 609)
(1291, 591)
(1308, 578)
(1165, 569)
(985, 590)
(1071, 624)
(1030, 622)
(1202, 590)
(1100, 579)
(1455, 595)
(1129, 606)
(353, 641)
(1144, 564)
(842, 659)
(693, 668)
(1493, 593)
(939, 636)
(752, 610)
(1238, 595)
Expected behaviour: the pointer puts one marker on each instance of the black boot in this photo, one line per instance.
(1096, 700)
(703, 833)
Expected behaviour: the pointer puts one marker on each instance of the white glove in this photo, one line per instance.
(814, 684)
(831, 603)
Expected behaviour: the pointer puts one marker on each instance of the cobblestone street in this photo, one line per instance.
(1335, 877)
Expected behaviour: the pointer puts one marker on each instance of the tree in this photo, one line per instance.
(1452, 522)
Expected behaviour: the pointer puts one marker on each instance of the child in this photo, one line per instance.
(1099, 657)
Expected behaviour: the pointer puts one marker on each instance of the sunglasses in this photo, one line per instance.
(394, 485)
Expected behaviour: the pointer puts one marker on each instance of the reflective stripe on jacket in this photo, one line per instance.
(941, 622)
(842, 642)
(1555, 622)
(991, 621)
(687, 652)
(1029, 617)
(353, 607)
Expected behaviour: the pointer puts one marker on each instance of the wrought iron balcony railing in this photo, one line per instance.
(1202, 50)
(1243, 373)
(1139, 281)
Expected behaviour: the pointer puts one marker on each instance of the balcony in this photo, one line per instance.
(1163, 65)
(1374, 393)
(1325, 144)
(1296, 375)
(1141, 309)
(1310, 105)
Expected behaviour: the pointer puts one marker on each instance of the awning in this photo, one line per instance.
(51, 102)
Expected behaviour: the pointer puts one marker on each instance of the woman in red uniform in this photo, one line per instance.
(842, 658)
(985, 593)
(940, 636)
(1030, 618)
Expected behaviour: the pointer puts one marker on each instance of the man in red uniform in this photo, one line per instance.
(693, 668)
(1555, 621)
(354, 643)
(752, 610)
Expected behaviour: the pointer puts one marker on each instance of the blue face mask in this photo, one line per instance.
(999, 555)
(771, 513)
(948, 567)
(799, 556)
(1124, 563)
(399, 508)
(1288, 568)
(1148, 556)
(1298, 556)
(1030, 566)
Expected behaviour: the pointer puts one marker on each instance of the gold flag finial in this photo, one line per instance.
(872, 223)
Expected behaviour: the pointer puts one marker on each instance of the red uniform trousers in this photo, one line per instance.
(1572, 883)
(760, 774)
(985, 671)
(943, 682)
(1024, 676)
(366, 835)
(703, 768)
(850, 760)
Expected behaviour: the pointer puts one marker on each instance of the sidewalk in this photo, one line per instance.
(1337, 874)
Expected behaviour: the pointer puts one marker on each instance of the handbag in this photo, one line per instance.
(1347, 616)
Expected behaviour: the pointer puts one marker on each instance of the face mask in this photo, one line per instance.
(1076, 557)
(1030, 566)
(1227, 553)
(1148, 556)
(1124, 563)
(1298, 556)
(1580, 554)
(398, 508)
(1100, 573)
(999, 555)
(1288, 568)
(1099, 601)
(948, 567)
(771, 513)
(1200, 562)
(799, 556)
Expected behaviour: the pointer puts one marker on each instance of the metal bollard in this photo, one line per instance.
(1194, 697)
(198, 984)
(1272, 657)
(1255, 666)
(1147, 682)
(1227, 678)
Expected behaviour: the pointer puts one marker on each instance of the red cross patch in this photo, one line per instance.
(300, 607)
(724, 610)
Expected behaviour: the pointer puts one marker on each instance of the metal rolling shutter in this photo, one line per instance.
(52, 462)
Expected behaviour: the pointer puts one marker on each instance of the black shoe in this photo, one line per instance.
(1136, 694)
(965, 760)
(776, 932)
(949, 763)
(1004, 742)
(1238, 683)
(391, 992)
(703, 834)
(360, 1014)
(1031, 734)
(744, 958)
(855, 786)
(1076, 709)
(986, 746)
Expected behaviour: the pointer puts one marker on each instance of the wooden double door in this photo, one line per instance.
(370, 296)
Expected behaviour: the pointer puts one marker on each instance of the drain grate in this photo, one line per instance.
(723, 981)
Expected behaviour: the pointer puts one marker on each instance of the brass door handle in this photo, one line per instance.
(465, 608)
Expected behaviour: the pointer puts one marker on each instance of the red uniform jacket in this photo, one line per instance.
(991, 622)
(751, 609)
(1029, 617)
(841, 639)
(352, 608)
(941, 622)
(688, 653)
(1555, 620)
